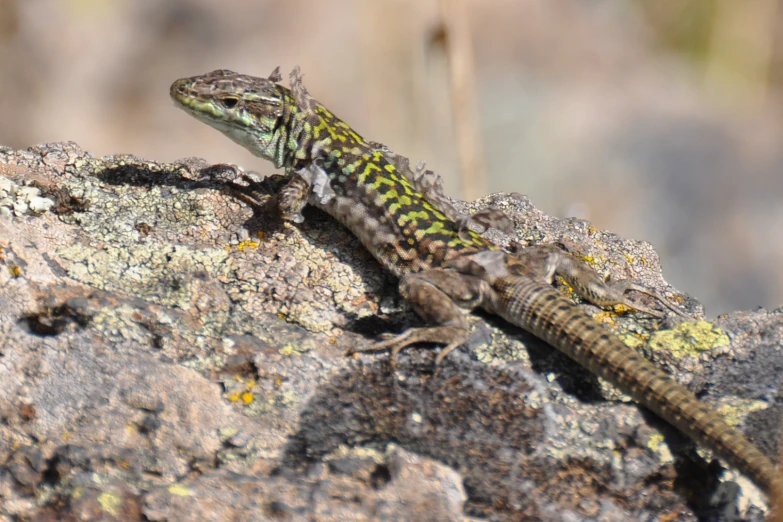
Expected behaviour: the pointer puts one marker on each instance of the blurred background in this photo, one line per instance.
(655, 120)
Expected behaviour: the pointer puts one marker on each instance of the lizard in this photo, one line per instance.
(444, 267)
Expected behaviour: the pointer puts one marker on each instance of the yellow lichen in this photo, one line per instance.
(247, 244)
(633, 340)
(689, 339)
(288, 350)
(732, 413)
(110, 503)
(659, 446)
(655, 442)
(180, 491)
(605, 317)
(568, 287)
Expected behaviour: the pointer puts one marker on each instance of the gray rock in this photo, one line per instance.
(171, 351)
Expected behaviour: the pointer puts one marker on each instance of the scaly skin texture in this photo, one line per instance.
(364, 190)
(540, 309)
(403, 219)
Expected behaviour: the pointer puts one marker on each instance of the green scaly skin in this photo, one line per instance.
(443, 267)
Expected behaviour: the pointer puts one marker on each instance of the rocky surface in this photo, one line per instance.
(170, 351)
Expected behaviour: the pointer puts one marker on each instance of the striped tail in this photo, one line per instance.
(544, 312)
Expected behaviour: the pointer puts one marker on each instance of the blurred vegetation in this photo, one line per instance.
(656, 120)
(735, 42)
(684, 26)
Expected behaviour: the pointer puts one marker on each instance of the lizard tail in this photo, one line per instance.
(544, 312)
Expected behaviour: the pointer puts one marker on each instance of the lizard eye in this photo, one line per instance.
(230, 102)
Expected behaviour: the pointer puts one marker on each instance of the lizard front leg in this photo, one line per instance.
(309, 184)
(440, 297)
(293, 197)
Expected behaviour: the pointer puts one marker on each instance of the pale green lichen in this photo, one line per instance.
(351, 452)
(289, 399)
(151, 272)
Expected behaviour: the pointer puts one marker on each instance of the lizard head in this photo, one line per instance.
(249, 110)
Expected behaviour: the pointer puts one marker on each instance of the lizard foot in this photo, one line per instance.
(451, 336)
(619, 288)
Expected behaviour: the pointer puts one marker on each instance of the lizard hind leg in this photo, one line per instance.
(550, 260)
(616, 291)
(440, 298)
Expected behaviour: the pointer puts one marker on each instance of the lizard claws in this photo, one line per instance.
(452, 336)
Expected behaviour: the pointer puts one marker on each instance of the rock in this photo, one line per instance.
(170, 352)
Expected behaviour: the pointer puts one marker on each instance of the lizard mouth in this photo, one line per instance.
(179, 90)
(186, 98)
